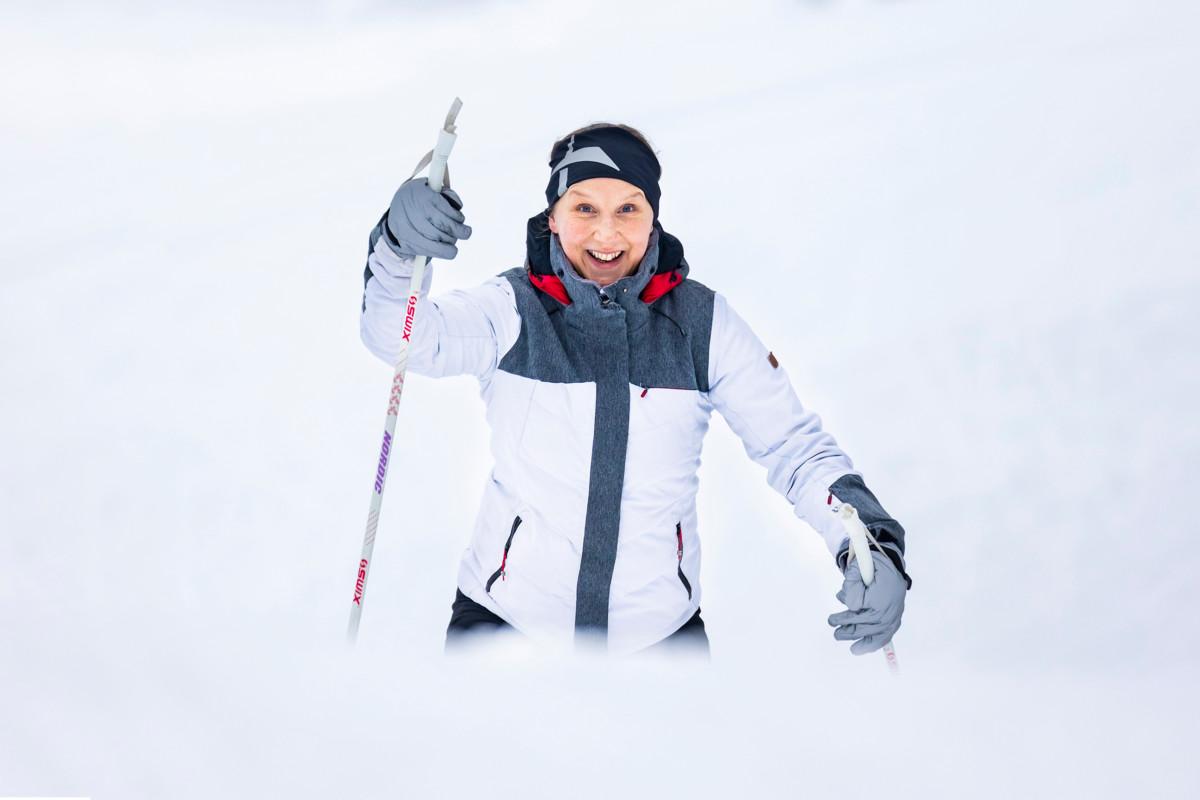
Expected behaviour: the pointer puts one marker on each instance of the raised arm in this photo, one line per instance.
(460, 332)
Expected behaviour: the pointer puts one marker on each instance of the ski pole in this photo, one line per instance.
(436, 159)
(858, 534)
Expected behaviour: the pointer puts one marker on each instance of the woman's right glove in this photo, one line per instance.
(874, 611)
(422, 222)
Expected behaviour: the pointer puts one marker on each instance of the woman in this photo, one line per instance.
(600, 362)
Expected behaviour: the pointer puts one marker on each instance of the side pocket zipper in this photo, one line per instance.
(679, 553)
(504, 559)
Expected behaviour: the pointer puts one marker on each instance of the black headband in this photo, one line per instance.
(609, 152)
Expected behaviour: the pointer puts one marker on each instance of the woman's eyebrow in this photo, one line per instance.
(586, 196)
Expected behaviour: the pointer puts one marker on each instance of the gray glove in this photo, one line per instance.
(874, 611)
(422, 222)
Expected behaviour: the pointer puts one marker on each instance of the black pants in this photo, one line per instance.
(468, 617)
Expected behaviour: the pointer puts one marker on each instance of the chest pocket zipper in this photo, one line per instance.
(504, 559)
(679, 553)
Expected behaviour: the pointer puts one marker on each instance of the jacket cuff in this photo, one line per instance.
(843, 557)
(886, 530)
(392, 242)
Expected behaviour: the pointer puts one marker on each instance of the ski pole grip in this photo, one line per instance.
(441, 154)
(858, 542)
(441, 151)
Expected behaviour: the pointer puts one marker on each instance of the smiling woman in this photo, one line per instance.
(600, 362)
(603, 224)
(603, 227)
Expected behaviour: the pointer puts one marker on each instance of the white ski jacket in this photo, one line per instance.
(598, 402)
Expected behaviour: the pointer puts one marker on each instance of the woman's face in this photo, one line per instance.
(598, 218)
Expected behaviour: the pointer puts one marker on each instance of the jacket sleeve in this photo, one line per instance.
(752, 392)
(459, 332)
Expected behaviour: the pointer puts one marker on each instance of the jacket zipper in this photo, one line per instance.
(504, 559)
(679, 553)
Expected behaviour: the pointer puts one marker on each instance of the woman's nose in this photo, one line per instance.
(606, 229)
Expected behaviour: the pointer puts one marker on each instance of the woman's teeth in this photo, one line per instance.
(604, 256)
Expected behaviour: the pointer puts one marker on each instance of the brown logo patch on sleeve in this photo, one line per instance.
(774, 361)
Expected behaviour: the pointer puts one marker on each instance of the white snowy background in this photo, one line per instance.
(967, 229)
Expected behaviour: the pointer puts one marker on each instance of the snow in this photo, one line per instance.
(966, 230)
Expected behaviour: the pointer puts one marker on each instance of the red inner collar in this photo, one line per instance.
(658, 285)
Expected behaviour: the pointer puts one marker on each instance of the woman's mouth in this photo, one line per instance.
(604, 260)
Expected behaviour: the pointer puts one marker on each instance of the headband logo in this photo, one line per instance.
(591, 153)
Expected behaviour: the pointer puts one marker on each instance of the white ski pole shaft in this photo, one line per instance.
(861, 549)
(437, 171)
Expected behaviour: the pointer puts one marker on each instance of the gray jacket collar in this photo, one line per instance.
(586, 294)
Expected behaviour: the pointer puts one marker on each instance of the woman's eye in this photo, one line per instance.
(583, 207)
(629, 208)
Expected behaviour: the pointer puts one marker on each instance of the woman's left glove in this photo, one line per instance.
(874, 611)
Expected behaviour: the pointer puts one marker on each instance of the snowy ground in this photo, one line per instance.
(967, 229)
